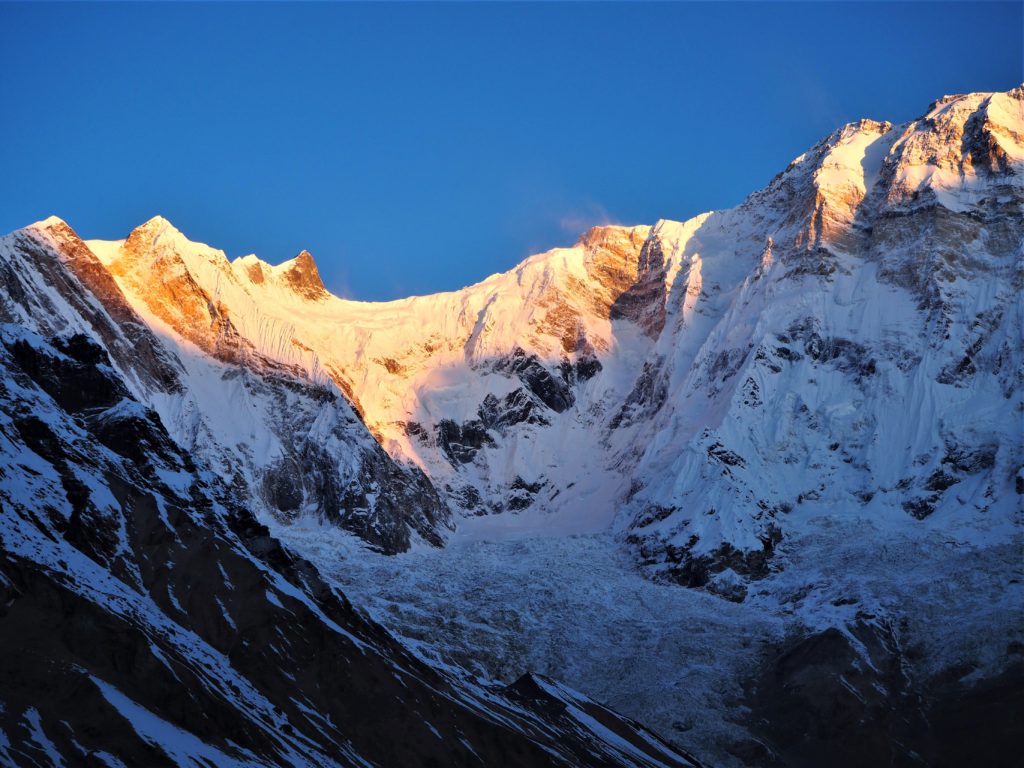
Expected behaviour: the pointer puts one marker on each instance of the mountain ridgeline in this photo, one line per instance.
(845, 343)
(847, 338)
(148, 618)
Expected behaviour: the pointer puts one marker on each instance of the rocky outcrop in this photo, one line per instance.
(460, 442)
(616, 260)
(643, 302)
(303, 277)
(554, 391)
(150, 267)
(847, 697)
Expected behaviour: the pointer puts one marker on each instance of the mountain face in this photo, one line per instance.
(845, 339)
(149, 619)
(728, 396)
(254, 403)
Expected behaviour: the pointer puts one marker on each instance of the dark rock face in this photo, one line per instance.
(644, 302)
(282, 487)
(147, 617)
(304, 278)
(845, 698)
(76, 380)
(920, 507)
(961, 460)
(969, 459)
(382, 503)
(460, 443)
(831, 704)
(720, 453)
(850, 357)
(587, 367)
(517, 407)
(416, 430)
(522, 493)
(560, 704)
(681, 566)
(468, 498)
(555, 392)
(129, 431)
(976, 723)
(647, 396)
(960, 370)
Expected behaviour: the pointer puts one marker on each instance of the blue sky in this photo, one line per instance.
(421, 147)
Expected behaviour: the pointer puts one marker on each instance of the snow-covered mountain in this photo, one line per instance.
(723, 398)
(251, 401)
(845, 339)
(149, 619)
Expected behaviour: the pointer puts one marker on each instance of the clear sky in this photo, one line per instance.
(421, 147)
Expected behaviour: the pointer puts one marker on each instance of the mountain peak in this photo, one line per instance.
(155, 229)
(252, 267)
(48, 222)
(157, 225)
(604, 233)
(53, 228)
(302, 275)
(304, 259)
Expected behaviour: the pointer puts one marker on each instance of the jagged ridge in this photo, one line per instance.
(707, 362)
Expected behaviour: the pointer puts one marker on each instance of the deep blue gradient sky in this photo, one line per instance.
(416, 148)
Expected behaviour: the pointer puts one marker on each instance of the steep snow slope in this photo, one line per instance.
(149, 619)
(845, 341)
(854, 347)
(510, 364)
(285, 441)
